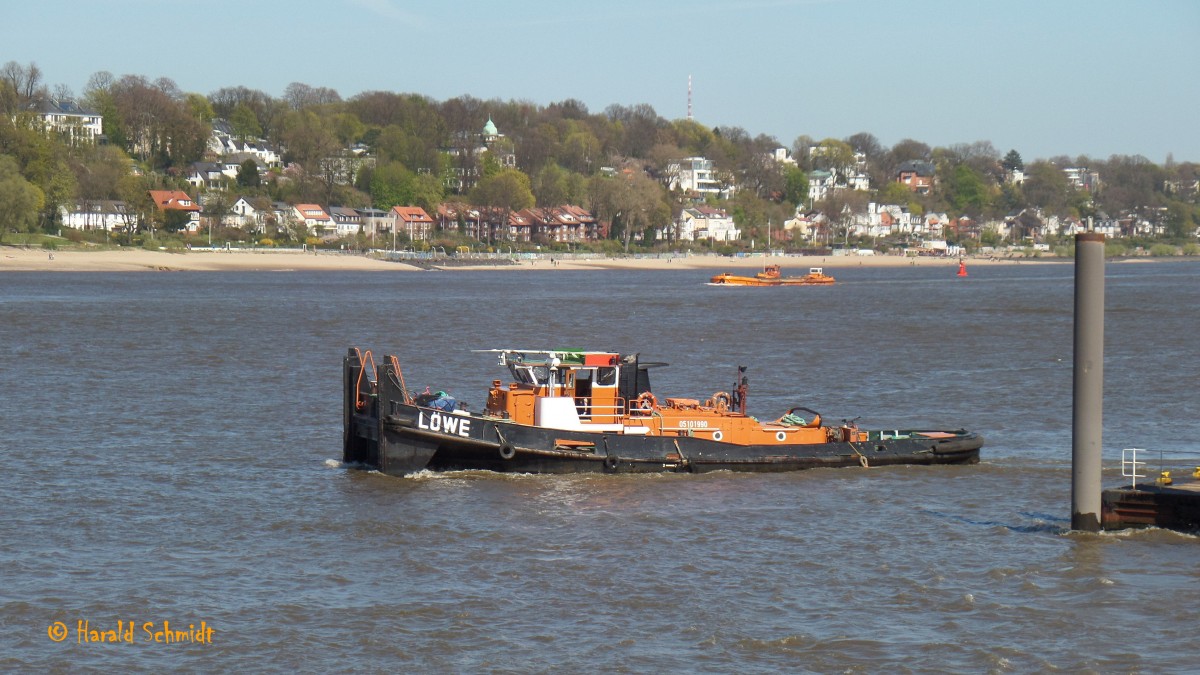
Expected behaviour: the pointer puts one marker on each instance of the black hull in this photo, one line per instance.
(413, 439)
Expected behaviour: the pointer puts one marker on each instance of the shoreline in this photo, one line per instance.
(15, 259)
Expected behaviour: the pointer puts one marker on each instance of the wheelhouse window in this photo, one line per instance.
(533, 375)
(606, 377)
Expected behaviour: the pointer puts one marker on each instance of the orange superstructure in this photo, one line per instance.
(582, 391)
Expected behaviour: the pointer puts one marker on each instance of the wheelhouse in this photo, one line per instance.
(601, 385)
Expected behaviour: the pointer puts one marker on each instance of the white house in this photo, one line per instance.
(68, 119)
(822, 183)
(805, 226)
(884, 220)
(251, 214)
(223, 144)
(705, 222)
(783, 156)
(207, 175)
(96, 215)
(347, 220)
(1082, 178)
(695, 175)
(315, 219)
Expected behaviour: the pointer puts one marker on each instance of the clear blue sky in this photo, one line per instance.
(1044, 77)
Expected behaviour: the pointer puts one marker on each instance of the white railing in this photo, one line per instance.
(1181, 463)
(590, 409)
(1130, 465)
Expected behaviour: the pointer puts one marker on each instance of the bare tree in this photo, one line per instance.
(227, 100)
(101, 80)
(904, 151)
(801, 151)
(167, 86)
(156, 127)
(20, 86)
(300, 96)
(631, 202)
(639, 125)
(867, 144)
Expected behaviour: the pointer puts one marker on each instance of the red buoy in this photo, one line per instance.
(962, 268)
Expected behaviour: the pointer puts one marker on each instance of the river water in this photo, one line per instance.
(171, 446)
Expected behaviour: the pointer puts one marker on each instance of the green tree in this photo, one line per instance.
(1012, 161)
(506, 189)
(1011, 198)
(134, 191)
(1046, 186)
(41, 160)
(392, 184)
(693, 137)
(580, 150)
(894, 192)
(796, 186)
(200, 108)
(550, 185)
(347, 128)
(395, 144)
(175, 220)
(243, 122)
(967, 191)
(833, 155)
(501, 193)
(20, 200)
(427, 191)
(1182, 220)
(309, 138)
(247, 175)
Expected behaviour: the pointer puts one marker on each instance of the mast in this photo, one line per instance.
(689, 98)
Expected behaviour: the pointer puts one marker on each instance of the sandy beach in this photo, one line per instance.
(136, 259)
(16, 259)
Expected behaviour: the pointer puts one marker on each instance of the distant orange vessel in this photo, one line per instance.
(771, 276)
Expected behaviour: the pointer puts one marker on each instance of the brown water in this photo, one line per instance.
(171, 445)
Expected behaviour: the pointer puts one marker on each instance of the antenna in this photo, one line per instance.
(689, 97)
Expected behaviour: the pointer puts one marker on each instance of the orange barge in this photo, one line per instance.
(772, 276)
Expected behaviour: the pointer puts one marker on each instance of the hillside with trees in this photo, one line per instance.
(617, 162)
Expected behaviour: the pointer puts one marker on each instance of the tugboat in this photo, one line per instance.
(568, 411)
(772, 276)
